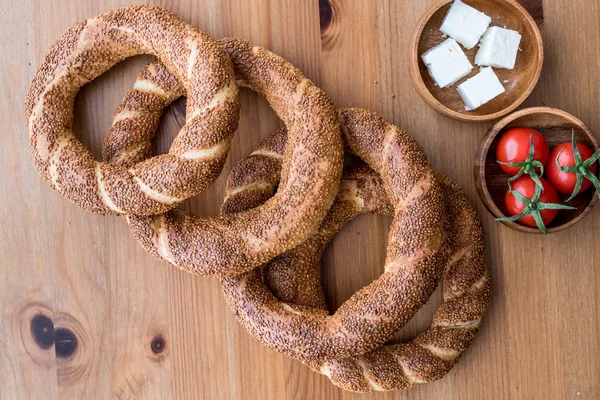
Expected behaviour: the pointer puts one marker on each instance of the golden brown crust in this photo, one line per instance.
(310, 167)
(157, 184)
(413, 266)
(431, 355)
(294, 278)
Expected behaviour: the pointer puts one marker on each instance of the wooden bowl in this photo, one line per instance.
(518, 82)
(492, 182)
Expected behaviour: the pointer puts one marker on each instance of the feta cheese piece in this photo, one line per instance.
(480, 89)
(465, 24)
(499, 48)
(447, 63)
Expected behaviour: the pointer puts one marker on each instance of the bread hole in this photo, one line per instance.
(355, 258)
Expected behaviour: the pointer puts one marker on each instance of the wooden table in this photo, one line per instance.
(87, 275)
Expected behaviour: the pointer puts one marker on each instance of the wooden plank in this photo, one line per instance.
(144, 329)
(26, 369)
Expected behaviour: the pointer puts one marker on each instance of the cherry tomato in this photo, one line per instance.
(526, 186)
(514, 147)
(565, 182)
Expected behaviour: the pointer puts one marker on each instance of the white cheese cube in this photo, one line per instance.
(447, 63)
(465, 24)
(480, 89)
(499, 48)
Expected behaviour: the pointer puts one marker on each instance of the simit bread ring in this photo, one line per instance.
(414, 264)
(311, 170)
(91, 47)
(295, 276)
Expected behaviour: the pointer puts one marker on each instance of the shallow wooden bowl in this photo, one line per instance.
(518, 82)
(491, 181)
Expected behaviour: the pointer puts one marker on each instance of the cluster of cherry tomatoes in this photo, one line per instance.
(570, 168)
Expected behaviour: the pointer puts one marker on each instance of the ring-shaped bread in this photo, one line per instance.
(311, 169)
(91, 47)
(414, 262)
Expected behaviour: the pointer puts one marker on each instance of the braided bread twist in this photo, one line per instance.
(91, 47)
(294, 277)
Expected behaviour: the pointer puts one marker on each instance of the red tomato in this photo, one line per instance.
(565, 182)
(514, 147)
(526, 186)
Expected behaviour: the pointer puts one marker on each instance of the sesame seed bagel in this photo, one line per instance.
(311, 167)
(294, 277)
(415, 257)
(91, 47)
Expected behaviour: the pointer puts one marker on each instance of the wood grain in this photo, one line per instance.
(540, 340)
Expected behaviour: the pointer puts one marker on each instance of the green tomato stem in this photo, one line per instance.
(581, 168)
(527, 167)
(534, 207)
